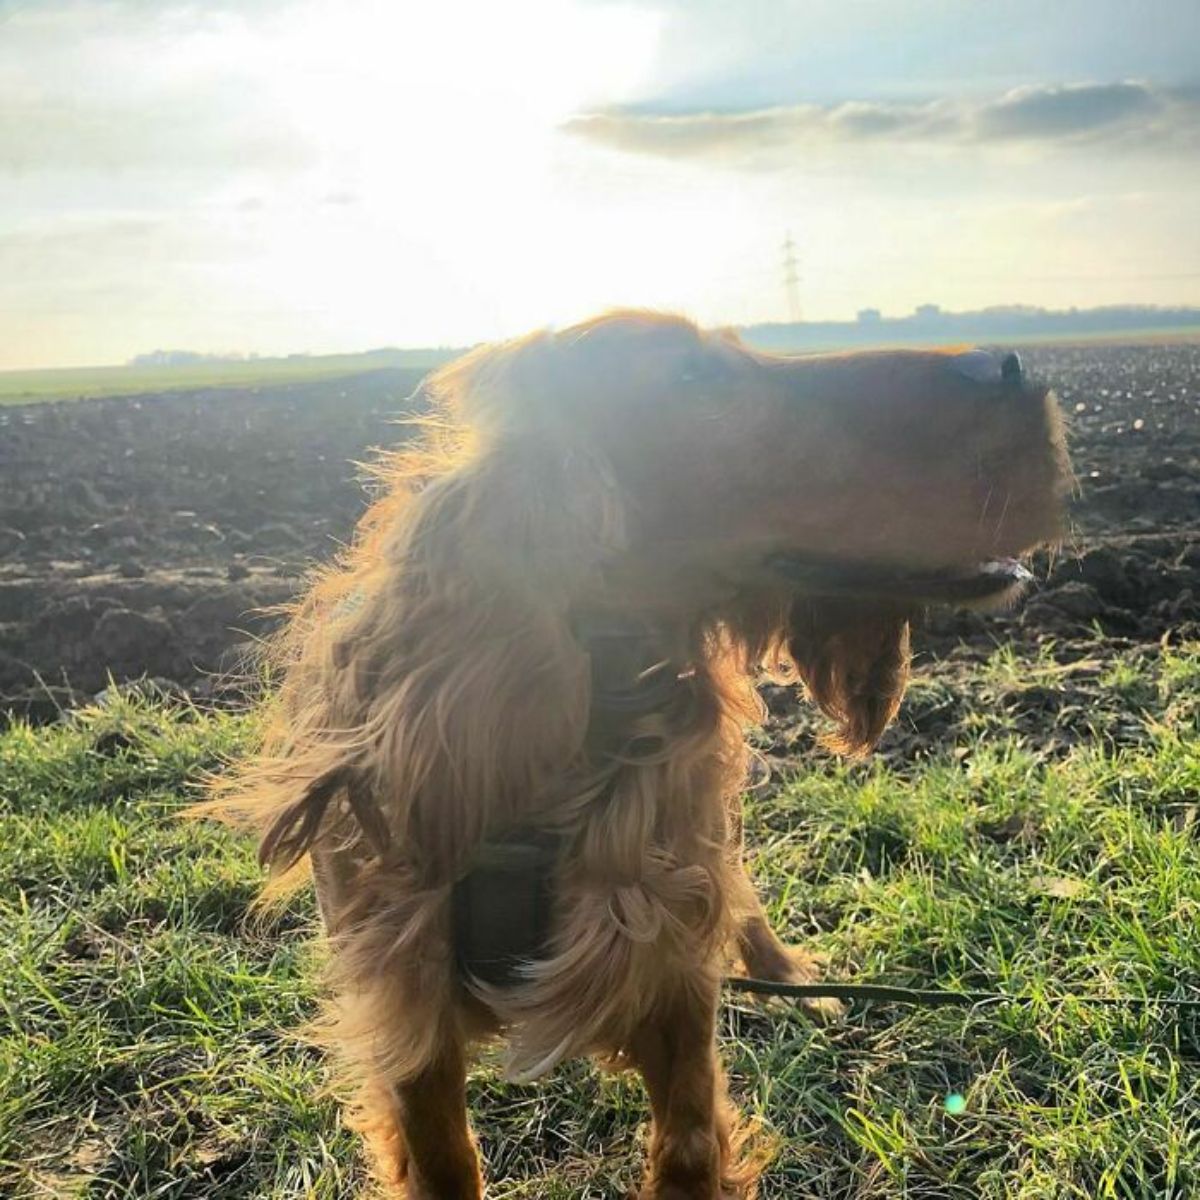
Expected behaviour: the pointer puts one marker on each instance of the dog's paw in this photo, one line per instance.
(794, 964)
(736, 1185)
(723, 1191)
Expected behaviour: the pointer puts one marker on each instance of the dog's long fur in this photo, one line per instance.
(435, 693)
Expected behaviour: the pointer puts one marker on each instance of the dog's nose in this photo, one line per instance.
(988, 366)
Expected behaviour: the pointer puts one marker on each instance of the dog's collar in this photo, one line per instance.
(856, 578)
(631, 672)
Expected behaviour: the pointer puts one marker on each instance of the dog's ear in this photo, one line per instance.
(532, 517)
(447, 680)
(534, 506)
(853, 655)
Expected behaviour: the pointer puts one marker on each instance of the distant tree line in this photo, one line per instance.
(928, 322)
(931, 322)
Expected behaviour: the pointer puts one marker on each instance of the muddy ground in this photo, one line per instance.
(138, 536)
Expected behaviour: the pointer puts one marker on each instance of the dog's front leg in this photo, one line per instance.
(766, 957)
(675, 1051)
(416, 1129)
(417, 1134)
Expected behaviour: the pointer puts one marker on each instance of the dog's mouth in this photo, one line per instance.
(988, 583)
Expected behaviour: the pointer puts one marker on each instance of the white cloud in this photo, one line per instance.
(1075, 110)
(1125, 114)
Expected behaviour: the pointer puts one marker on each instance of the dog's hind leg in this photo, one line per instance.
(690, 1146)
(417, 1133)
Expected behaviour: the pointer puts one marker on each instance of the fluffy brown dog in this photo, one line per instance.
(509, 737)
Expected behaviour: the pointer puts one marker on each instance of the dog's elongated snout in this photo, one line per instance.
(929, 458)
(989, 366)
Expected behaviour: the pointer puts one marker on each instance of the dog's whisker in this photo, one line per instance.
(987, 500)
(1003, 514)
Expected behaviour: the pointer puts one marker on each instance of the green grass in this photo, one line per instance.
(68, 383)
(144, 1044)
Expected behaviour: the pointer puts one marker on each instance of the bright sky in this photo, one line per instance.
(322, 175)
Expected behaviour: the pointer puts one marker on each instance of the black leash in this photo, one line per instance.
(502, 904)
(938, 997)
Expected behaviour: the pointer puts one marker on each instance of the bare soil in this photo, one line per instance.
(140, 536)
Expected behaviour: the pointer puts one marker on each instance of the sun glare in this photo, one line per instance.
(439, 170)
(318, 175)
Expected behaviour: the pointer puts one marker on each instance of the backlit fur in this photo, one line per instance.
(434, 694)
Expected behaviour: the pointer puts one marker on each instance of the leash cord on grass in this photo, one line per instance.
(938, 997)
